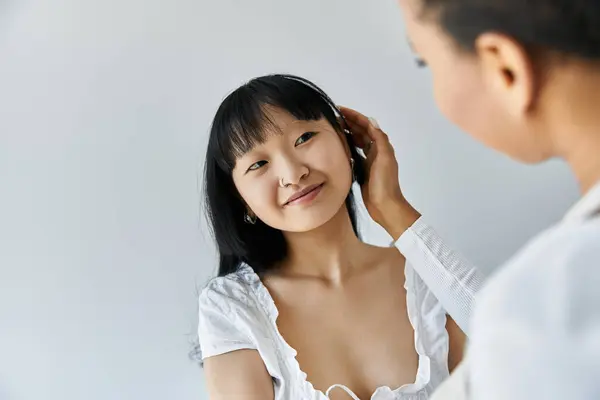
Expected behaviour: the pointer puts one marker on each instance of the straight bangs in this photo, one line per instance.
(243, 120)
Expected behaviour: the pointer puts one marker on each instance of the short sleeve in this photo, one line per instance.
(222, 322)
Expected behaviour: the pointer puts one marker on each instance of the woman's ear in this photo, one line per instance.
(508, 70)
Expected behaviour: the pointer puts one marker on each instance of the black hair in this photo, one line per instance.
(566, 27)
(241, 123)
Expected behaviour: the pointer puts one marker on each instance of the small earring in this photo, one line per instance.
(352, 167)
(249, 219)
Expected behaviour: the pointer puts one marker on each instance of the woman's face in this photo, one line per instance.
(299, 178)
(487, 93)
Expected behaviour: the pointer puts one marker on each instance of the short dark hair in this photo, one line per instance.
(567, 27)
(240, 123)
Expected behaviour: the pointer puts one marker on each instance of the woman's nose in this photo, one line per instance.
(293, 172)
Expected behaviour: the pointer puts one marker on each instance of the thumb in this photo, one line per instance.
(375, 131)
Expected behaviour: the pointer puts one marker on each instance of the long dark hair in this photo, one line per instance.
(238, 126)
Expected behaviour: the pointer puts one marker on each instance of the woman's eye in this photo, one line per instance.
(421, 63)
(304, 138)
(256, 165)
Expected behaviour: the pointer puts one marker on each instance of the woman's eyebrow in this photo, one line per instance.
(411, 45)
(420, 61)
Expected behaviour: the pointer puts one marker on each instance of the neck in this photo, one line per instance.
(327, 252)
(576, 121)
(584, 160)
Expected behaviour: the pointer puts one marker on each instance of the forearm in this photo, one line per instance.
(451, 278)
(398, 218)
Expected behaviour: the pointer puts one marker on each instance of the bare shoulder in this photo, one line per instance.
(386, 255)
(227, 317)
(386, 260)
(238, 375)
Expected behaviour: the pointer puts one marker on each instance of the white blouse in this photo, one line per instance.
(536, 326)
(237, 312)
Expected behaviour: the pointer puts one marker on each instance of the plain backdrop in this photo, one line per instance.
(104, 111)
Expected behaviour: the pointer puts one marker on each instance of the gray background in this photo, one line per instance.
(104, 113)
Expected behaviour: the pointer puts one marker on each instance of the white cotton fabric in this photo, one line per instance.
(536, 326)
(237, 312)
(447, 274)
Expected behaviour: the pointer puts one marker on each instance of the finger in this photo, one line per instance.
(369, 125)
(369, 145)
(342, 122)
(376, 133)
(355, 118)
(371, 148)
(360, 137)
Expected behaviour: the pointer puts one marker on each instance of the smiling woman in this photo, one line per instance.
(254, 143)
(303, 309)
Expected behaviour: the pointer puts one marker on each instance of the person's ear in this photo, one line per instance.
(508, 70)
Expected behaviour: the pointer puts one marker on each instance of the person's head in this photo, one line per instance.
(504, 70)
(271, 140)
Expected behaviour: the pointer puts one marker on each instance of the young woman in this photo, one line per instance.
(302, 308)
(524, 78)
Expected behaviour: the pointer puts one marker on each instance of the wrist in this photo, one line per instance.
(399, 217)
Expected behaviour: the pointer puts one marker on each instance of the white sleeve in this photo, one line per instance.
(220, 326)
(536, 328)
(451, 279)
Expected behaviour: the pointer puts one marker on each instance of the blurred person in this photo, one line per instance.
(523, 77)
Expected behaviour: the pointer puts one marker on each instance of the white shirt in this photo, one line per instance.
(536, 325)
(237, 312)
